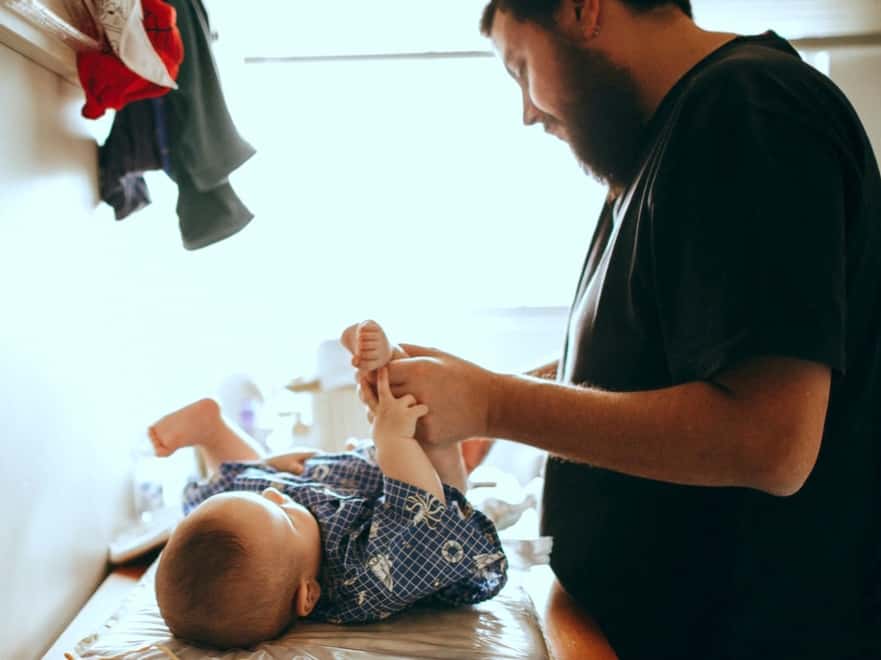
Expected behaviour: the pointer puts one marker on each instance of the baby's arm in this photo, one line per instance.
(398, 454)
(371, 350)
(369, 346)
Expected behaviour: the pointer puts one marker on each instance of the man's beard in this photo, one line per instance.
(602, 114)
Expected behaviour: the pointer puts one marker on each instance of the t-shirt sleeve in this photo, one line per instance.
(418, 547)
(748, 231)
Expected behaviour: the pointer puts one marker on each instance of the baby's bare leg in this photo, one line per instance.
(201, 425)
(369, 346)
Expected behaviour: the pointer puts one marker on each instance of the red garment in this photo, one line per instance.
(108, 83)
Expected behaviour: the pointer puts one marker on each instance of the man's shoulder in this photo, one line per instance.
(752, 73)
(754, 96)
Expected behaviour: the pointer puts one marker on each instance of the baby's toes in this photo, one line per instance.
(366, 346)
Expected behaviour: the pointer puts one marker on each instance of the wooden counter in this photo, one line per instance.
(570, 632)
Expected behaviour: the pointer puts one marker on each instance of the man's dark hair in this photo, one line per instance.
(542, 11)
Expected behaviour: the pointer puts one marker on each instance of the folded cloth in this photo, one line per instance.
(108, 81)
(127, 25)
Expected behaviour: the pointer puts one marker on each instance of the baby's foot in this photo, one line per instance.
(194, 424)
(372, 347)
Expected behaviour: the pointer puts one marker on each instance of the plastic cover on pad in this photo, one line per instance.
(504, 627)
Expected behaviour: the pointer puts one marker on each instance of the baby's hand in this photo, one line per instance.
(291, 461)
(395, 418)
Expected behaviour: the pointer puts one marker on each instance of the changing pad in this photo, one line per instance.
(504, 627)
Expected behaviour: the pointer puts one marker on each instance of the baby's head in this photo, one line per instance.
(239, 569)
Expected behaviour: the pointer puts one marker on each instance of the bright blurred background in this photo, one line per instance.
(393, 180)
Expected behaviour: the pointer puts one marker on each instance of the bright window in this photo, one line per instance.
(402, 188)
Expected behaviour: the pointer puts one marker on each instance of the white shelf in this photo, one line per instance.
(42, 31)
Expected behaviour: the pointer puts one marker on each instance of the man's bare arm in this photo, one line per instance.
(474, 450)
(759, 426)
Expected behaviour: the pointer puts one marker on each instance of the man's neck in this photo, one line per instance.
(662, 49)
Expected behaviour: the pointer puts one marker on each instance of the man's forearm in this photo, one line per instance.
(478, 448)
(448, 463)
(695, 433)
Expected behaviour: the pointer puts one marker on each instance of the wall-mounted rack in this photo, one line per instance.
(48, 32)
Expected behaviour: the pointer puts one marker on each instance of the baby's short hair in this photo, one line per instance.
(211, 591)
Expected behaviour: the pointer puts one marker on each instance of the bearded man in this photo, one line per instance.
(714, 428)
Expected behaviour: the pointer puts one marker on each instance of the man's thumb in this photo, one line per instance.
(413, 350)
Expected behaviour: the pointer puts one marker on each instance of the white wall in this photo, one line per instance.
(857, 70)
(68, 356)
(63, 472)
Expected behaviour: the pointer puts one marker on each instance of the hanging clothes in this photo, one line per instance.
(190, 135)
(205, 145)
(143, 50)
(137, 143)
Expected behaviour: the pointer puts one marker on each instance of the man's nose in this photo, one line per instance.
(531, 115)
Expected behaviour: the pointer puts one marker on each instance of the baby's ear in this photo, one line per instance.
(306, 596)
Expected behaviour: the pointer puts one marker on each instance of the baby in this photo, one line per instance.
(346, 538)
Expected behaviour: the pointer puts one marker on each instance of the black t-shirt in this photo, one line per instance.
(753, 228)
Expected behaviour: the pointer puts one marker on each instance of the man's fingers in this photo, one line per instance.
(405, 374)
(414, 350)
(421, 410)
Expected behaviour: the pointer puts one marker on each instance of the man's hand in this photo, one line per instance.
(394, 417)
(398, 455)
(292, 460)
(456, 392)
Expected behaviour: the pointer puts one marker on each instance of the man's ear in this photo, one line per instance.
(579, 19)
(306, 596)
